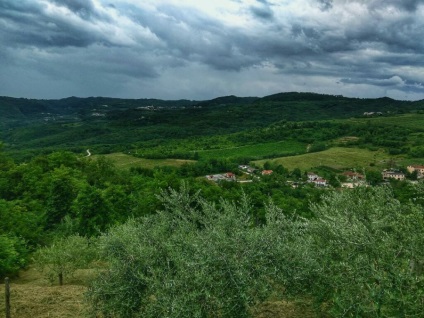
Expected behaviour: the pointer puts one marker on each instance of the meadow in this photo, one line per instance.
(33, 296)
(337, 158)
(412, 121)
(263, 150)
(125, 161)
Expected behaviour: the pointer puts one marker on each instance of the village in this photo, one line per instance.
(348, 179)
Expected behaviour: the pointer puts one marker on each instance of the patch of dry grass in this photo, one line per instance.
(33, 297)
(29, 301)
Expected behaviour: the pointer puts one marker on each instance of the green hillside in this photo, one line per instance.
(111, 124)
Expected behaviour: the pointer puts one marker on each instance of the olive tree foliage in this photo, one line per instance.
(369, 250)
(197, 259)
(64, 256)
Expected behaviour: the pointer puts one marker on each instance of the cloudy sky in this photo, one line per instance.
(201, 49)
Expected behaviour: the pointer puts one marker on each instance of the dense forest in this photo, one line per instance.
(176, 244)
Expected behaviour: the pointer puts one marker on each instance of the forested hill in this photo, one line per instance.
(290, 106)
(113, 124)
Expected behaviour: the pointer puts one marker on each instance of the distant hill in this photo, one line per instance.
(295, 104)
(114, 124)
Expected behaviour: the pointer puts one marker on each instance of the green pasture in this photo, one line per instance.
(124, 161)
(411, 121)
(337, 158)
(270, 149)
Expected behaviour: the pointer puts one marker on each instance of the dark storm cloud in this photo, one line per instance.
(26, 23)
(376, 43)
(325, 4)
(408, 5)
(194, 37)
(83, 7)
(392, 82)
(263, 12)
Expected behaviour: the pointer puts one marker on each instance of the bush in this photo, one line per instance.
(195, 259)
(368, 248)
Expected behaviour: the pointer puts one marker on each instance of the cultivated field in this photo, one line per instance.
(337, 158)
(123, 161)
(412, 121)
(274, 149)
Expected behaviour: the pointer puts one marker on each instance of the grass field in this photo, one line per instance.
(280, 148)
(412, 121)
(123, 161)
(337, 158)
(34, 297)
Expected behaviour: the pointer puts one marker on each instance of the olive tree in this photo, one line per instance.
(195, 259)
(369, 252)
(64, 256)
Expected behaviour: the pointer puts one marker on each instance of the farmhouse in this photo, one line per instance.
(320, 182)
(247, 168)
(353, 176)
(266, 172)
(419, 169)
(229, 176)
(316, 179)
(312, 176)
(373, 113)
(392, 174)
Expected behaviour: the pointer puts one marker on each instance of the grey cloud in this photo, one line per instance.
(365, 49)
(84, 8)
(193, 37)
(392, 82)
(262, 12)
(408, 5)
(27, 24)
(325, 5)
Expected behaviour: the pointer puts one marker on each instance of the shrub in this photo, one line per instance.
(195, 259)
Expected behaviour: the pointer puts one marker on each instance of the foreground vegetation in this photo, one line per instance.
(194, 259)
(359, 256)
(161, 239)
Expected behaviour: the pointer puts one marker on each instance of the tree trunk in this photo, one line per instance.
(7, 296)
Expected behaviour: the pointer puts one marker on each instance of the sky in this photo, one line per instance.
(202, 49)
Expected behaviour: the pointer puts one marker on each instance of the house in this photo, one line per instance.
(373, 113)
(392, 174)
(419, 169)
(351, 185)
(214, 177)
(320, 182)
(247, 168)
(353, 176)
(312, 176)
(229, 176)
(266, 172)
